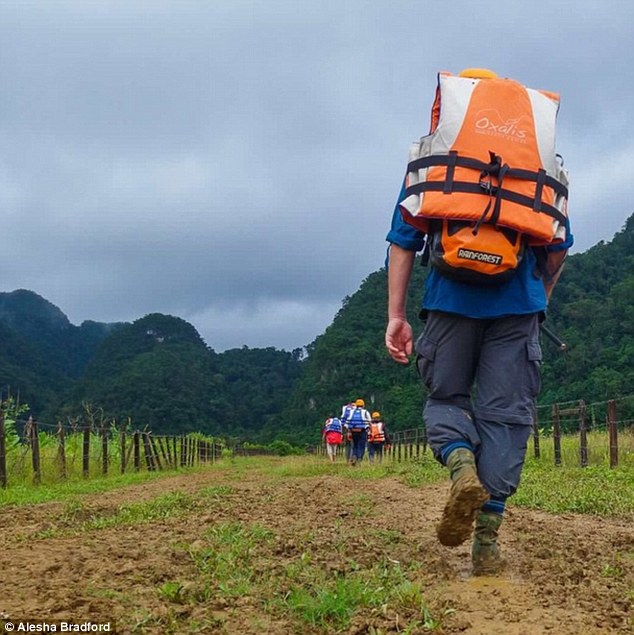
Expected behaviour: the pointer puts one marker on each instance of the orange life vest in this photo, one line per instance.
(489, 159)
(377, 433)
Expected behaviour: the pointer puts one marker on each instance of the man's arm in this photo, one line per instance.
(398, 334)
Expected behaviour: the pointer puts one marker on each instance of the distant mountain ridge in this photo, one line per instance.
(41, 352)
(23, 310)
(157, 371)
(66, 347)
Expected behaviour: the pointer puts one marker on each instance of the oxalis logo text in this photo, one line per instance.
(492, 123)
(480, 256)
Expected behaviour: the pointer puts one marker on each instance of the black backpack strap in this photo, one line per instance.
(424, 256)
(495, 168)
(541, 258)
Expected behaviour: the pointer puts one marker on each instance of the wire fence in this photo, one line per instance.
(39, 453)
(569, 433)
(604, 431)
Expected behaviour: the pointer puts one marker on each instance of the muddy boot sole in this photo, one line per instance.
(465, 499)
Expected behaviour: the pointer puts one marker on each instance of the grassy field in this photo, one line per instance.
(595, 489)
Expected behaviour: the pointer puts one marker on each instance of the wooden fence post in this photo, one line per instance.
(3, 452)
(104, 449)
(35, 449)
(123, 460)
(583, 436)
(86, 450)
(535, 429)
(557, 434)
(137, 451)
(61, 450)
(159, 442)
(172, 463)
(149, 459)
(129, 453)
(613, 434)
(536, 448)
(155, 453)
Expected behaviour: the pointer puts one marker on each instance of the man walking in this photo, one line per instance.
(478, 332)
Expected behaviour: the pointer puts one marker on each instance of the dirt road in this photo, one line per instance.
(567, 574)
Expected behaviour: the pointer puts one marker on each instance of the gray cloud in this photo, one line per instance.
(236, 163)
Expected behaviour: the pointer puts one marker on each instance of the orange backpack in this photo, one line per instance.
(486, 182)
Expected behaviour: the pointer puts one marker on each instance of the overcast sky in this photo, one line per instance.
(236, 162)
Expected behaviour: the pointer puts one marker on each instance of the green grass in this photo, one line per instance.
(324, 601)
(78, 518)
(161, 508)
(598, 449)
(227, 560)
(417, 472)
(33, 494)
(596, 490)
(53, 470)
(234, 561)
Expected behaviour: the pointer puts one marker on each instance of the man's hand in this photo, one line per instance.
(399, 339)
(398, 335)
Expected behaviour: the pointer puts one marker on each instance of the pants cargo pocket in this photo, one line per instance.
(426, 354)
(534, 380)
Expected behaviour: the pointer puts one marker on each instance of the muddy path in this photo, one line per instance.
(86, 560)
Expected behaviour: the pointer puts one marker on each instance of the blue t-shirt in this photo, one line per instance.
(523, 293)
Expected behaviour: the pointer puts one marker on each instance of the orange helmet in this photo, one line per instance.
(360, 403)
(376, 415)
(478, 73)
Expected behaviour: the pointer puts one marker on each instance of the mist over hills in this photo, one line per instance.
(158, 371)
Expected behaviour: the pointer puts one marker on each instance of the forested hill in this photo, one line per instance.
(592, 310)
(156, 371)
(160, 373)
(41, 353)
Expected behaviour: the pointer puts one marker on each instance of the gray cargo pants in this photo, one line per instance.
(483, 377)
